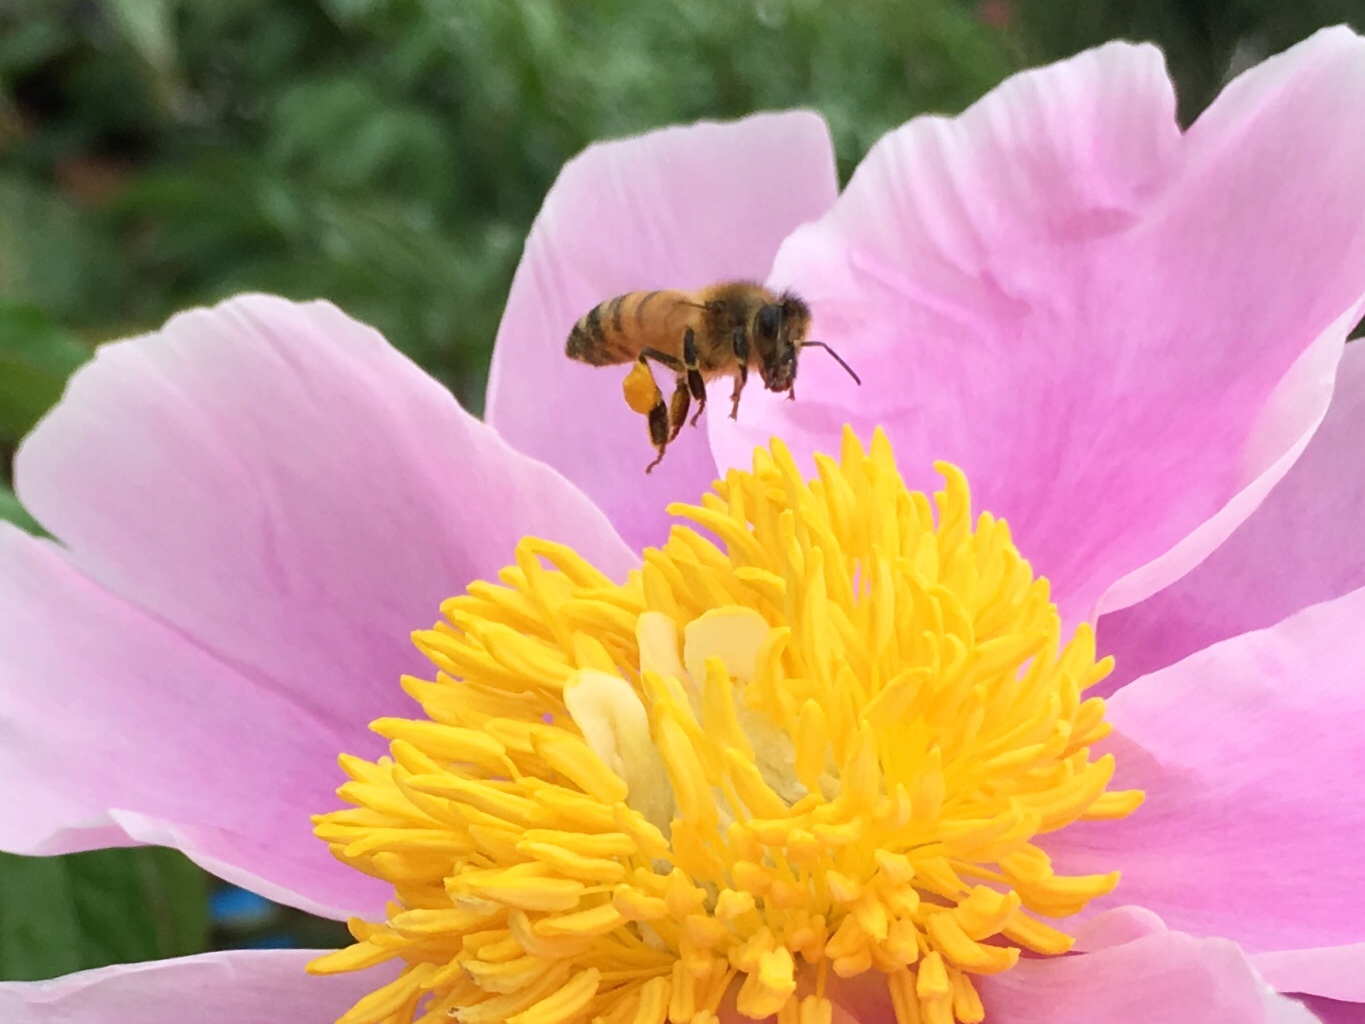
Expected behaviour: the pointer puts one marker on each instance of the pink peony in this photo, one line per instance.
(1126, 336)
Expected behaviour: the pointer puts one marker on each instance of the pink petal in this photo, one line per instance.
(1123, 335)
(1303, 545)
(1116, 927)
(1330, 1011)
(1250, 753)
(1337, 972)
(678, 208)
(260, 503)
(121, 727)
(1165, 976)
(1156, 977)
(235, 987)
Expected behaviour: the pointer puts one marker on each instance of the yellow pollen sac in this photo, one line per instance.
(816, 735)
(640, 390)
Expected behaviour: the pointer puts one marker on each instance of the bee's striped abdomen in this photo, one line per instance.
(616, 330)
(588, 342)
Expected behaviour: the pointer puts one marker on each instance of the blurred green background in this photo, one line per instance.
(390, 156)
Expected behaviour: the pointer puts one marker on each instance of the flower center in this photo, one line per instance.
(823, 741)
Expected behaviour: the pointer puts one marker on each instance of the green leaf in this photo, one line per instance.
(36, 357)
(28, 43)
(13, 512)
(84, 910)
(148, 26)
(54, 254)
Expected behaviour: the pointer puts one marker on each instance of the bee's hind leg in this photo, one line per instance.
(660, 432)
(643, 396)
(665, 421)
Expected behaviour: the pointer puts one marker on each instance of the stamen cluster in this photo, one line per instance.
(815, 735)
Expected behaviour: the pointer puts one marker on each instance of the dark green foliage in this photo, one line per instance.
(1206, 41)
(36, 357)
(390, 156)
(13, 512)
(61, 914)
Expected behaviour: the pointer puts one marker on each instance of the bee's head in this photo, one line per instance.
(780, 329)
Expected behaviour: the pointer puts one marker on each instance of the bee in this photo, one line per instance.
(725, 330)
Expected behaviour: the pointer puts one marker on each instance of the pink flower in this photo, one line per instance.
(1126, 336)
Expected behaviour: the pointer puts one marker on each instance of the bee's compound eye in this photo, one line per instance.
(769, 320)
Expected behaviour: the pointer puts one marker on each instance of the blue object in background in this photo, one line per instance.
(240, 919)
(272, 940)
(234, 908)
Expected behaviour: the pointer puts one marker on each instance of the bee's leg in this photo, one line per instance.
(666, 420)
(663, 359)
(739, 390)
(643, 396)
(695, 384)
(742, 356)
(678, 406)
(791, 393)
(660, 432)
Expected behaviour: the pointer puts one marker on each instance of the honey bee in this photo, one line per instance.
(725, 330)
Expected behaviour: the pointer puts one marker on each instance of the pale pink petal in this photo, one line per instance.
(1165, 976)
(1303, 545)
(1157, 976)
(1292, 1009)
(1331, 1011)
(1250, 754)
(120, 727)
(1123, 334)
(259, 504)
(1337, 972)
(678, 208)
(236, 987)
(1116, 927)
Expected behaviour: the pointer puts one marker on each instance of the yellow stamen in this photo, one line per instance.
(825, 746)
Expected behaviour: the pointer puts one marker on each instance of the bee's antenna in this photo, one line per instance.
(837, 358)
